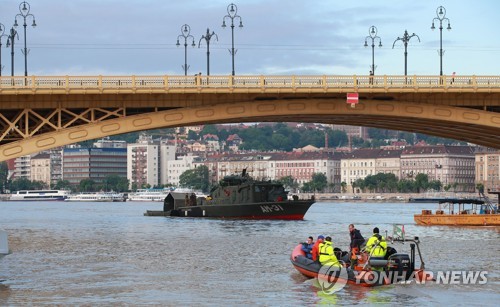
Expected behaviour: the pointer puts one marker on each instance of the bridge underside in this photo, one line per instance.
(30, 130)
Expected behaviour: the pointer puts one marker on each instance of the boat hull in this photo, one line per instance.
(96, 197)
(311, 269)
(287, 210)
(37, 199)
(39, 195)
(458, 219)
(426, 199)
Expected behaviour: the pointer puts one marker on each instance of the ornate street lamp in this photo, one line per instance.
(405, 39)
(2, 31)
(10, 43)
(24, 8)
(207, 37)
(441, 13)
(232, 11)
(373, 36)
(185, 30)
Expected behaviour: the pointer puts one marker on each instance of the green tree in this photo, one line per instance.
(337, 138)
(343, 186)
(63, 185)
(115, 183)
(332, 187)
(435, 185)
(422, 182)
(87, 185)
(4, 172)
(25, 184)
(192, 135)
(360, 184)
(195, 178)
(318, 182)
(209, 129)
(289, 182)
(409, 137)
(281, 142)
(307, 187)
(312, 137)
(223, 134)
(406, 186)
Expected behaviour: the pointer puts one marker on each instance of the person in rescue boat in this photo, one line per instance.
(356, 241)
(315, 248)
(327, 255)
(307, 247)
(356, 238)
(376, 245)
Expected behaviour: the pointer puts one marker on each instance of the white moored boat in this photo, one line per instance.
(98, 196)
(39, 195)
(149, 195)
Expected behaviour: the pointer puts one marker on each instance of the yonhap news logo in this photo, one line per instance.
(333, 278)
(454, 277)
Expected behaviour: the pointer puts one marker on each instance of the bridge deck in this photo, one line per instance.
(42, 112)
(324, 83)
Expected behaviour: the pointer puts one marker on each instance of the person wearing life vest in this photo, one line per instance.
(356, 241)
(315, 248)
(376, 245)
(326, 253)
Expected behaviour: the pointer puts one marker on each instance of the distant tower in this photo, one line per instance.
(326, 140)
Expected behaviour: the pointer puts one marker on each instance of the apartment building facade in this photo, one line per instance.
(487, 169)
(41, 168)
(93, 163)
(143, 159)
(451, 165)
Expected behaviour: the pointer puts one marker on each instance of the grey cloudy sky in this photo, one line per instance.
(111, 37)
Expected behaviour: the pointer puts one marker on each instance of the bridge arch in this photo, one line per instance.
(465, 124)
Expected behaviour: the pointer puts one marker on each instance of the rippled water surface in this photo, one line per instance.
(110, 254)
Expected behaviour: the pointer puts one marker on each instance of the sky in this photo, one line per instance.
(279, 37)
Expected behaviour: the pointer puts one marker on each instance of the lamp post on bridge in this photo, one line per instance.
(207, 37)
(373, 36)
(232, 11)
(441, 13)
(24, 8)
(10, 43)
(185, 30)
(405, 39)
(2, 31)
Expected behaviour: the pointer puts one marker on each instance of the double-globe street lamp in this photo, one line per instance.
(207, 37)
(24, 8)
(441, 15)
(232, 11)
(10, 43)
(373, 36)
(405, 39)
(185, 30)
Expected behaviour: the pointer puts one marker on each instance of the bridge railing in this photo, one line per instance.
(258, 82)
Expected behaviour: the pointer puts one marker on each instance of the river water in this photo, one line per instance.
(110, 254)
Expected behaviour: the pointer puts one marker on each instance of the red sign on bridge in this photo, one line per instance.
(352, 99)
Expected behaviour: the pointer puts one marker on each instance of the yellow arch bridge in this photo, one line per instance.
(42, 112)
